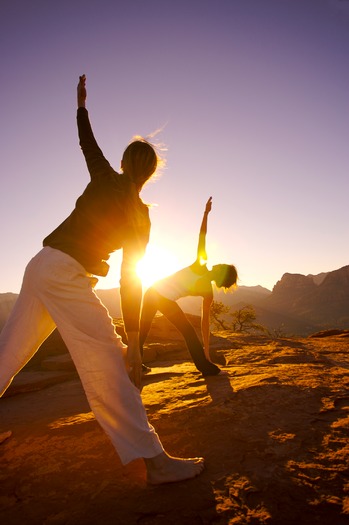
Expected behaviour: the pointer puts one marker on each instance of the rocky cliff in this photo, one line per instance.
(316, 303)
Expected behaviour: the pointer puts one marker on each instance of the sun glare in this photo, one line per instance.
(156, 264)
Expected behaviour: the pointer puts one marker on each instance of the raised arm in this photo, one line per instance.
(97, 164)
(201, 253)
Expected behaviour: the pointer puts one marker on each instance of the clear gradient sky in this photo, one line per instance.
(252, 100)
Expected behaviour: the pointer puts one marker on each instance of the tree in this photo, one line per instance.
(217, 310)
(243, 320)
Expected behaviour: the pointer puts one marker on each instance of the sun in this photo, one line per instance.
(156, 264)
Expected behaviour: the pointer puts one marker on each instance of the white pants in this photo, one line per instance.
(57, 291)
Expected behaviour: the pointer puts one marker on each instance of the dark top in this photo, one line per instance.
(109, 215)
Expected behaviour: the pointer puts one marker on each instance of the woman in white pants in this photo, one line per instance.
(57, 291)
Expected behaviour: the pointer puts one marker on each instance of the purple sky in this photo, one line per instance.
(252, 100)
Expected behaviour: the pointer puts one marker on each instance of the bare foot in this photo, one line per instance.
(166, 469)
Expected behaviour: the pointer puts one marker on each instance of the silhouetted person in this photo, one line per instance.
(194, 280)
(57, 291)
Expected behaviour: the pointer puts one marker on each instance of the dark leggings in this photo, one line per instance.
(154, 302)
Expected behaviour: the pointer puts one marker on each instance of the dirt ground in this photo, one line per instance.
(274, 434)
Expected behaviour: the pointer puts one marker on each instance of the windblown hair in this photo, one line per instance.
(228, 276)
(140, 160)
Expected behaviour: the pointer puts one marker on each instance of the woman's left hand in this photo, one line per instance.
(208, 205)
(82, 94)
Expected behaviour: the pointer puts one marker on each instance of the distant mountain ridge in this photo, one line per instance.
(298, 304)
(322, 301)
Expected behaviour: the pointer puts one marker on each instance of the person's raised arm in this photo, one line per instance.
(201, 253)
(97, 164)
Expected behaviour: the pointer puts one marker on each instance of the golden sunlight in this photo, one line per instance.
(156, 264)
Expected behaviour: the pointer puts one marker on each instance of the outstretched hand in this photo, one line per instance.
(208, 205)
(82, 94)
